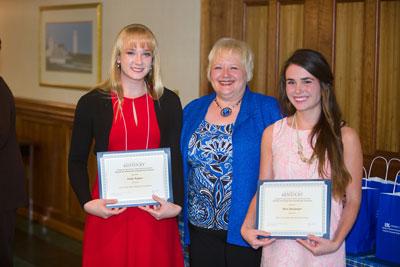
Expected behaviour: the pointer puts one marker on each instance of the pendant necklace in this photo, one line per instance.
(135, 120)
(302, 157)
(226, 111)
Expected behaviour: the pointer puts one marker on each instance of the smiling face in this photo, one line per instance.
(303, 89)
(136, 60)
(228, 75)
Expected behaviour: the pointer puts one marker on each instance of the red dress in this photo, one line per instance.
(134, 237)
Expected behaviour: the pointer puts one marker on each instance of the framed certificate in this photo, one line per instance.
(132, 177)
(294, 208)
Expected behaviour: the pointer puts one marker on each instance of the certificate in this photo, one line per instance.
(294, 208)
(132, 177)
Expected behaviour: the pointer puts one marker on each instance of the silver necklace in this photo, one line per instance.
(226, 111)
(135, 118)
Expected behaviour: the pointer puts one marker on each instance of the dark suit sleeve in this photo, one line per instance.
(5, 113)
(82, 136)
(12, 182)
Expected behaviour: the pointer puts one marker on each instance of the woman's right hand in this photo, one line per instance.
(252, 235)
(98, 208)
(163, 210)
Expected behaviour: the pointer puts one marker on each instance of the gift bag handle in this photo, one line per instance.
(366, 176)
(365, 172)
(372, 163)
(395, 181)
(388, 166)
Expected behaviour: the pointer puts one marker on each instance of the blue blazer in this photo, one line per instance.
(257, 111)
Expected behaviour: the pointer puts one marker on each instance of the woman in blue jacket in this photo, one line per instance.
(220, 145)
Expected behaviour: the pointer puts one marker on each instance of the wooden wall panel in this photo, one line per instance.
(217, 20)
(369, 82)
(388, 118)
(255, 28)
(291, 29)
(348, 69)
(359, 38)
(210, 14)
(47, 176)
(48, 127)
(318, 29)
(232, 18)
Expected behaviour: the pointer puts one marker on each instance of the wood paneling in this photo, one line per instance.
(256, 35)
(359, 38)
(217, 20)
(291, 29)
(388, 117)
(319, 26)
(348, 69)
(48, 127)
(369, 82)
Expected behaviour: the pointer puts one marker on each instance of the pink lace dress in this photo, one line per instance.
(287, 165)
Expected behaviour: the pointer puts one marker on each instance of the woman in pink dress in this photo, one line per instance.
(130, 111)
(312, 142)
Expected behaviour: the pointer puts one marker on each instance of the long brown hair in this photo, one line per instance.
(327, 131)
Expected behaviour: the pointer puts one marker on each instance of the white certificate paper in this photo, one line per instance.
(294, 208)
(132, 177)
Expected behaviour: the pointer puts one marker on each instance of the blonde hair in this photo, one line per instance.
(134, 35)
(232, 45)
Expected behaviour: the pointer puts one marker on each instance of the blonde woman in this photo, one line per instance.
(131, 110)
(220, 147)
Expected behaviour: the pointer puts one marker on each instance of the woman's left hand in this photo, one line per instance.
(164, 210)
(318, 245)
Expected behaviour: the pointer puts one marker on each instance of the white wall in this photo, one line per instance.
(176, 24)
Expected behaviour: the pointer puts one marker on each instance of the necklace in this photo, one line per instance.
(226, 111)
(300, 146)
(135, 118)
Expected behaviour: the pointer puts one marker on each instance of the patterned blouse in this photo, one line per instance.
(210, 154)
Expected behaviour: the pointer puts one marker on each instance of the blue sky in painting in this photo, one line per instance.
(62, 34)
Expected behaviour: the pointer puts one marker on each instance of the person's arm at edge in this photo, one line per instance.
(5, 114)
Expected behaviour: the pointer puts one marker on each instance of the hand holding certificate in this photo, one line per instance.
(294, 208)
(133, 177)
(164, 210)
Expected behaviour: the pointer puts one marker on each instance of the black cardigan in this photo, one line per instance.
(93, 120)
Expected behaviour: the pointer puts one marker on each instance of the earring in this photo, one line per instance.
(118, 65)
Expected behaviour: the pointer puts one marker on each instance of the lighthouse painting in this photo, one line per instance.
(69, 47)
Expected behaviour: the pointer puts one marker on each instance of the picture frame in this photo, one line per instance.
(70, 45)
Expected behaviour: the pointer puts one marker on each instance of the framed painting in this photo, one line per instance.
(70, 46)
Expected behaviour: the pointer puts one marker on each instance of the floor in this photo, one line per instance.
(36, 245)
